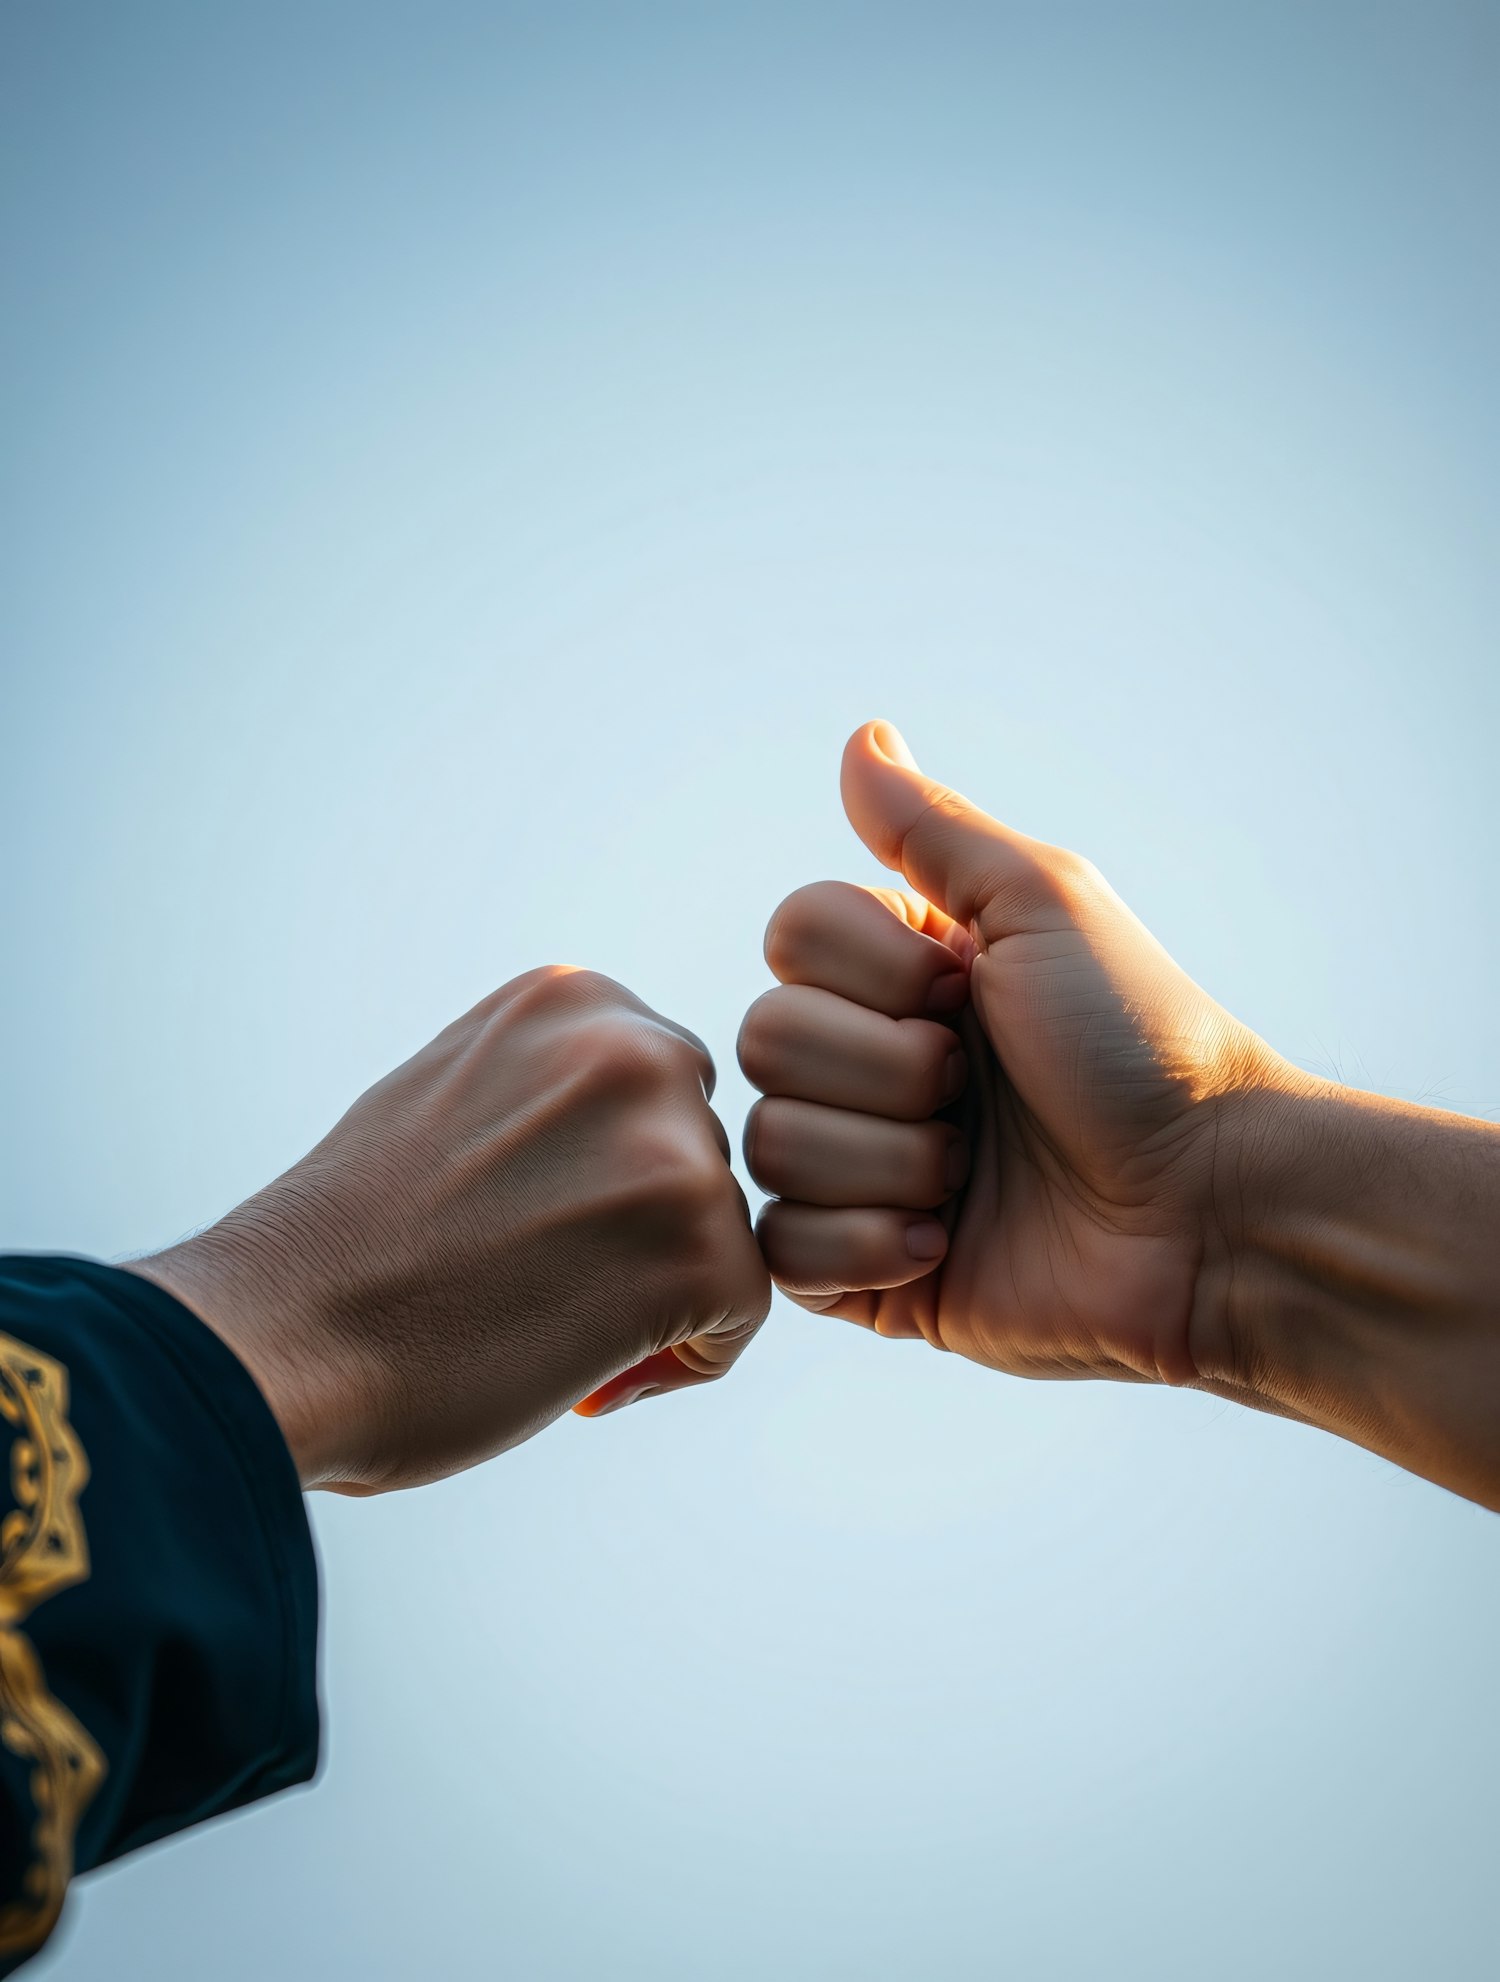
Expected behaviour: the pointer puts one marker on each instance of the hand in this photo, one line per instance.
(999, 1117)
(991, 1111)
(537, 1201)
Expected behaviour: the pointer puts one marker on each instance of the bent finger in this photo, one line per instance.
(703, 1359)
(869, 946)
(744, 1299)
(814, 1252)
(801, 1041)
(833, 1156)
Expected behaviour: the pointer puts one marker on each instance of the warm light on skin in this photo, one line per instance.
(654, 1377)
(1149, 1191)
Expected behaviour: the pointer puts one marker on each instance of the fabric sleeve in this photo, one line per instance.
(158, 1590)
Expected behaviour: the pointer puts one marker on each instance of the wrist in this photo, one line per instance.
(251, 1284)
(1351, 1273)
(1280, 1153)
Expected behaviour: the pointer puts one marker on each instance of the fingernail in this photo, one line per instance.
(955, 1074)
(947, 993)
(927, 1240)
(889, 741)
(956, 1166)
(613, 1397)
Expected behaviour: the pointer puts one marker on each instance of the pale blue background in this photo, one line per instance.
(465, 470)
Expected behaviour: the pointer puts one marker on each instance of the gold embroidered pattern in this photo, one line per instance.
(42, 1545)
(69, 1768)
(42, 1550)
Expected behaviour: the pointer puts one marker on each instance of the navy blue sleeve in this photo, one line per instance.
(158, 1590)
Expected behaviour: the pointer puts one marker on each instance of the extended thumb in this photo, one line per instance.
(948, 850)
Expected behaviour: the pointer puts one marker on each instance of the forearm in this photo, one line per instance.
(158, 1594)
(1353, 1276)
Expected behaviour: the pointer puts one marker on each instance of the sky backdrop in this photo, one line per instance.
(465, 470)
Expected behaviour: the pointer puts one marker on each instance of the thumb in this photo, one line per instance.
(972, 867)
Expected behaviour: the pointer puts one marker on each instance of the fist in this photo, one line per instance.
(538, 1202)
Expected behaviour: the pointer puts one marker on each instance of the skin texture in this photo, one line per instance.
(538, 1201)
(999, 1118)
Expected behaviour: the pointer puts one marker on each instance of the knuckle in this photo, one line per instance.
(615, 1054)
(757, 1143)
(668, 1064)
(705, 1368)
(1047, 885)
(539, 979)
(713, 1353)
(797, 921)
(700, 1190)
(943, 810)
(689, 1059)
(571, 986)
(771, 1136)
(616, 1050)
(512, 997)
(546, 988)
(756, 1043)
(1092, 883)
(679, 1172)
(946, 807)
(771, 1237)
(1073, 878)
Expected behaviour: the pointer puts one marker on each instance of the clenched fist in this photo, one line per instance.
(538, 1201)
